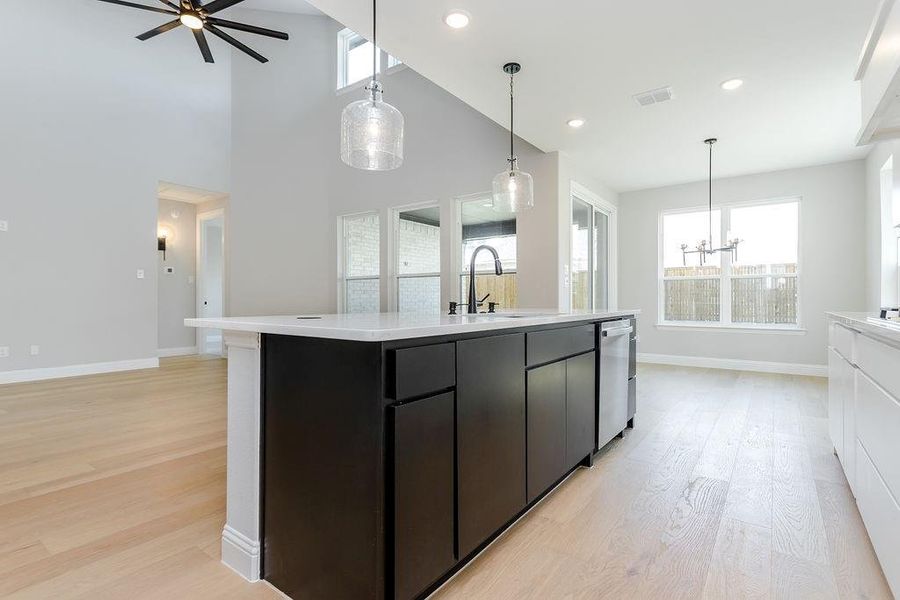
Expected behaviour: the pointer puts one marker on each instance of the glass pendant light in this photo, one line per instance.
(372, 129)
(513, 189)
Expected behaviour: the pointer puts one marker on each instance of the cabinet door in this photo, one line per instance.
(490, 413)
(422, 493)
(836, 390)
(581, 408)
(848, 388)
(546, 427)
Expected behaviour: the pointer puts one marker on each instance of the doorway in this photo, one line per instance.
(210, 277)
(592, 260)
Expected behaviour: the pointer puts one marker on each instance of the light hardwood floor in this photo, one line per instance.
(113, 486)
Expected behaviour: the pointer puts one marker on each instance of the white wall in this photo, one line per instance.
(289, 185)
(92, 119)
(177, 292)
(832, 259)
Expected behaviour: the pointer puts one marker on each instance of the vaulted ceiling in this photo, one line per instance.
(586, 58)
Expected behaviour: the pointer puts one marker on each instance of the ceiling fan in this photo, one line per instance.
(197, 17)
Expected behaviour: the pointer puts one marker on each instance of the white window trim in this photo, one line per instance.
(342, 278)
(577, 190)
(726, 277)
(383, 58)
(394, 276)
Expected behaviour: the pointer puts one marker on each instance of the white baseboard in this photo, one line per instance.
(240, 553)
(22, 375)
(734, 364)
(185, 351)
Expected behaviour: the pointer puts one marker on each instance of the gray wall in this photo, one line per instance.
(91, 121)
(832, 259)
(289, 185)
(178, 290)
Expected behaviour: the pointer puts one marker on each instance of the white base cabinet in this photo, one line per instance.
(864, 426)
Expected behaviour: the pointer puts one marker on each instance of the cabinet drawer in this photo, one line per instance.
(555, 344)
(843, 340)
(421, 370)
(881, 516)
(879, 361)
(877, 424)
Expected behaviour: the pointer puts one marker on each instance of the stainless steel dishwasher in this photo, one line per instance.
(615, 353)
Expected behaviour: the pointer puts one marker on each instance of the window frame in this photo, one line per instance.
(394, 275)
(726, 276)
(458, 273)
(345, 37)
(343, 278)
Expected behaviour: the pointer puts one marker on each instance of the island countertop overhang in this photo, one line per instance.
(380, 327)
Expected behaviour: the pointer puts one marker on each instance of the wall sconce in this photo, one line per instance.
(162, 235)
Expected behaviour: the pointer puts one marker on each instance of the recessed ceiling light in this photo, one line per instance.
(575, 123)
(732, 84)
(457, 19)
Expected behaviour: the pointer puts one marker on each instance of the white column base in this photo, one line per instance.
(240, 553)
(241, 541)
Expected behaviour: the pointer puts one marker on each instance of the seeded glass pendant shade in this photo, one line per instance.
(372, 129)
(513, 189)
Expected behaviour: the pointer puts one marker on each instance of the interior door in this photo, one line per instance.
(211, 275)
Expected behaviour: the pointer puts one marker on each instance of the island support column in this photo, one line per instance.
(241, 542)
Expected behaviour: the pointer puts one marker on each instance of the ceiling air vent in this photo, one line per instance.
(653, 96)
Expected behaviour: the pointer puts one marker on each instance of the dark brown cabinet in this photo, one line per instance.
(546, 427)
(581, 407)
(422, 493)
(490, 413)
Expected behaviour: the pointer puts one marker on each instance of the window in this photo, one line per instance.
(355, 58)
(360, 280)
(755, 287)
(481, 224)
(590, 258)
(417, 235)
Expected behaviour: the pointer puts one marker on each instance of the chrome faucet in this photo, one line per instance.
(472, 306)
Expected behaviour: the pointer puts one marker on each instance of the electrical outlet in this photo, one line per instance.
(35, 350)
(4, 351)
(4, 225)
(170, 270)
(140, 273)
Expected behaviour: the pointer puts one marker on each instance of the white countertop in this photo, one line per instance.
(379, 327)
(870, 324)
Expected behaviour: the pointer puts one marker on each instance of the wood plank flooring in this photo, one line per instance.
(112, 486)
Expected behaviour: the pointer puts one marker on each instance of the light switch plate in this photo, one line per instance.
(35, 350)
(170, 270)
(4, 351)
(140, 273)
(4, 225)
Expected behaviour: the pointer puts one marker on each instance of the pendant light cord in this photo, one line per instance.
(710, 197)
(374, 43)
(512, 155)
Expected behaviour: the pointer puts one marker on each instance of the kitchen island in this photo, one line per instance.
(374, 455)
(863, 420)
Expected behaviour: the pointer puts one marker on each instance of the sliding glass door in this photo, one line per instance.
(589, 268)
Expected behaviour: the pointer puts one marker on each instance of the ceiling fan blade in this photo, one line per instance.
(204, 45)
(240, 46)
(161, 29)
(248, 28)
(217, 5)
(142, 7)
(170, 5)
